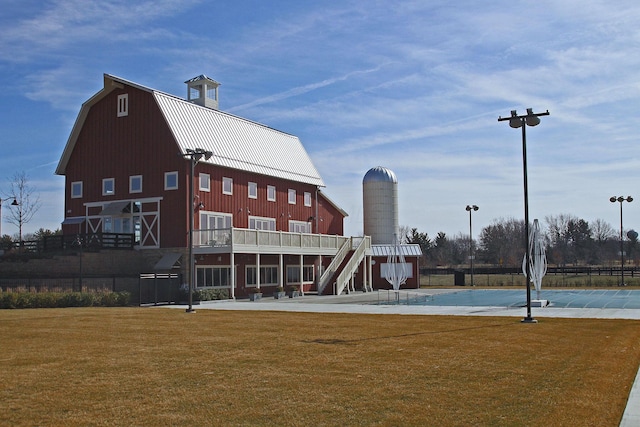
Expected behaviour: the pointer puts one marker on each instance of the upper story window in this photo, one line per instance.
(205, 182)
(271, 193)
(76, 190)
(171, 180)
(299, 227)
(108, 186)
(227, 186)
(292, 196)
(307, 199)
(135, 184)
(258, 223)
(123, 105)
(252, 188)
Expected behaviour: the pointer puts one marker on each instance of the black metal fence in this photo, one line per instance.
(112, 283)
(72, 242)
(631, 271)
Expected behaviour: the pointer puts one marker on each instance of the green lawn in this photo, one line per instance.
(158, 366)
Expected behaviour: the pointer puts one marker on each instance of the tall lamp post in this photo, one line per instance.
(14, 203)
(516, 121)
(194, 157)
(469, 209)
(621, 199)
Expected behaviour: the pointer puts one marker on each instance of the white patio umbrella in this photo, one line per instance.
(537, 257)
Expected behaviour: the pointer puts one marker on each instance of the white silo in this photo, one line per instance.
(380, 205)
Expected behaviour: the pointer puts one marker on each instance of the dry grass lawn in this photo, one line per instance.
(137, 366)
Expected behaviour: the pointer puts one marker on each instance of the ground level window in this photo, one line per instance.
(216, 277)
(268, 275)
(293, 274)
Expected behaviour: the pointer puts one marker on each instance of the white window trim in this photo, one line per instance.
(252, 186)
(123, 105)
(253, 285)
(168, 174)
(271, 188)
(226, 181)
(304, 224)
(290, 193)
(113, 186)
(207, 181)
(131, 179)
(307, 267)
(214, 267)
(307, 198)
(262, 220)
(73, 194)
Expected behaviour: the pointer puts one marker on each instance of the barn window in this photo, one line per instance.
(108, 187)
(268, 275)
(76, 190)
(293, 274)
(216, 277)
(271, 193)
(171, 180)
(259, 223)
(123, 105)
(307, 199)
(227, 186)
(292, 196)
(299, 227)
(252, 188)
(205, 182)
(135, 184)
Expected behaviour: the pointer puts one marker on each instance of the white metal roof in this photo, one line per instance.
(411, 249)
(236, 142)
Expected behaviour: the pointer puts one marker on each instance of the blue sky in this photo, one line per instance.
(414, 86)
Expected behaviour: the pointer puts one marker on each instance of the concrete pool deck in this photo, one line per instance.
(366, 303)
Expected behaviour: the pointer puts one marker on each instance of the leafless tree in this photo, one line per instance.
(28, 201)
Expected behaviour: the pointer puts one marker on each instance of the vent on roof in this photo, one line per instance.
(203, 91)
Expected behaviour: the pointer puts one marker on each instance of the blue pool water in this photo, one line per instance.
(628, 299)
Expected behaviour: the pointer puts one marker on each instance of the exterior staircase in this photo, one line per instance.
(340, 271)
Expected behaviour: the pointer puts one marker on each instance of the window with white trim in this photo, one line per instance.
(108, 186)
(171, 180)
(293, 274)
(215, 228)
(135, 184)
(307, 198)
(76, 189)
(252, 189)
(268, 275)
(205, 182)
(292, 196)
(271, 193)
(227, 186)
(260, 223)
(123, 105)
(299, 227)
(213, 277)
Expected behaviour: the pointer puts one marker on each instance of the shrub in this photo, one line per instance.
(13, 300)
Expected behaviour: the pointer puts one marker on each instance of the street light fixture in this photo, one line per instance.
(194, 156)
(516, 121)
(469, 209)
(621, 199)
(14, 203)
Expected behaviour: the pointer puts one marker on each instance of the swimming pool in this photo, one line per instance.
(597, 298)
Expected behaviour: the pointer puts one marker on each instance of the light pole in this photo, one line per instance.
(194, 157)
(516, 121)
(469, 209)
(14, 203)
(621, 199)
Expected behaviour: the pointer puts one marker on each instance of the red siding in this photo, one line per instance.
(142, 144)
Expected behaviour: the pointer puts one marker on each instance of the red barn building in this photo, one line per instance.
(260, 217)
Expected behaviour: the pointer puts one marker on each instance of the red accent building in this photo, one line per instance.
(261, 219)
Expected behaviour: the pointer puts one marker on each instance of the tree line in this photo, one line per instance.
(569, 240)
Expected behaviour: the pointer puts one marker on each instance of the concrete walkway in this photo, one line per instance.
(366, 303)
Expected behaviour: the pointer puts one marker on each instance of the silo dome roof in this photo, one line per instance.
(380, 174)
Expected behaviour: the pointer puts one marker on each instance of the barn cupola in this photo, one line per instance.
(203, 91)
